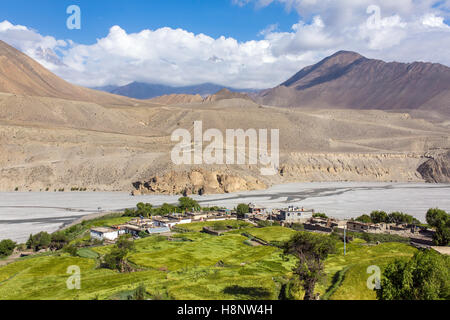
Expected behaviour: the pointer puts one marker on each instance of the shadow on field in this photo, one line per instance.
(255, 292)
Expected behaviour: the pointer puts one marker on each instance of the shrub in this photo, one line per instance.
(320, 215)
(6, 248)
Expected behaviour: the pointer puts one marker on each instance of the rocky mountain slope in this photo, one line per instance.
(50, 140)
(349, 80)
(437, 168)
(21, 75)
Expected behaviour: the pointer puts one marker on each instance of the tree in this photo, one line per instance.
(424, 277)
(166, 209)
(242, 209)
(311, 249)
(400, 217)
(115, 259)
(125, 242)
(39, 241)
(58, 241)
(144, 209)
(7, 247)
(440, 221)
(186, 203)
(379, 216)
(364, 218)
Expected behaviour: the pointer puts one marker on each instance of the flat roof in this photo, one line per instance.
(103, 230)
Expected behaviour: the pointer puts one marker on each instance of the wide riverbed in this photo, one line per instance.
(25, 213)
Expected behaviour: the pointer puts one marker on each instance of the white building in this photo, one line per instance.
(104, 234)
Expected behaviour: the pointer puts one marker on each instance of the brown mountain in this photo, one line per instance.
(177, 99)
(226, 94)
(21, 75)
(349, 80)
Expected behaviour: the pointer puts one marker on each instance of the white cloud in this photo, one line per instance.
(402, 30)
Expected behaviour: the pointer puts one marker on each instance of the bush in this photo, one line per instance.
(138, 294)
(71, 249)
(6, 248)
(320, 215)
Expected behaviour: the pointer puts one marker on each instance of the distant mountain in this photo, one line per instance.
(349, 80)
(141, 90)
(225, 94)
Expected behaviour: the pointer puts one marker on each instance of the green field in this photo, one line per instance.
(216, 225)
(196, 266)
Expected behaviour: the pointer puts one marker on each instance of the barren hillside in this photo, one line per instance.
(54, 135)
(349, 80)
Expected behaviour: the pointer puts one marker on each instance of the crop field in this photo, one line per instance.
(194, 265)
(216, 225)
(270, 234)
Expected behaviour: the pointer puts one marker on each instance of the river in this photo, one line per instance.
(25, 213)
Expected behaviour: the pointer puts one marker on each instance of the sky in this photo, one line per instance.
(238, 43)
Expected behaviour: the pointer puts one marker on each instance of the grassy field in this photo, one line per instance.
(196, 266)
(270, 234)
(216, 225)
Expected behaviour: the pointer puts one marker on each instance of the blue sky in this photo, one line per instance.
(213, 17)
(187, 42)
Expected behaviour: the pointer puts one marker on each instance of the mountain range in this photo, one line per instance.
(55, 135)
(140, 90)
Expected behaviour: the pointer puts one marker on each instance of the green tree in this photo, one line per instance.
(144, 209)
(166, 209)
(39, 241)
(311, 249)
(364, 218)
(424, 277)
(400, 217)
(125, 242)
(379, 216)
(186, 203)
(7, 247)
(242, 209)
(58, 241)
(116, 258)
(440, 221)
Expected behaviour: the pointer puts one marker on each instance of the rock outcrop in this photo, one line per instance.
(436, 169)
(304, 167)
(197, 182)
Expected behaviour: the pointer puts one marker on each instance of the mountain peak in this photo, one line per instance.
(349, 80)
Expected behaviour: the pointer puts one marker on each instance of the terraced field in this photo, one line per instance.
(195, 265)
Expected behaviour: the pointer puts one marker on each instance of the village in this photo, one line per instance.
(292, 216)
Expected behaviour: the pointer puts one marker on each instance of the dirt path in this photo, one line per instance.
(10, 259)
